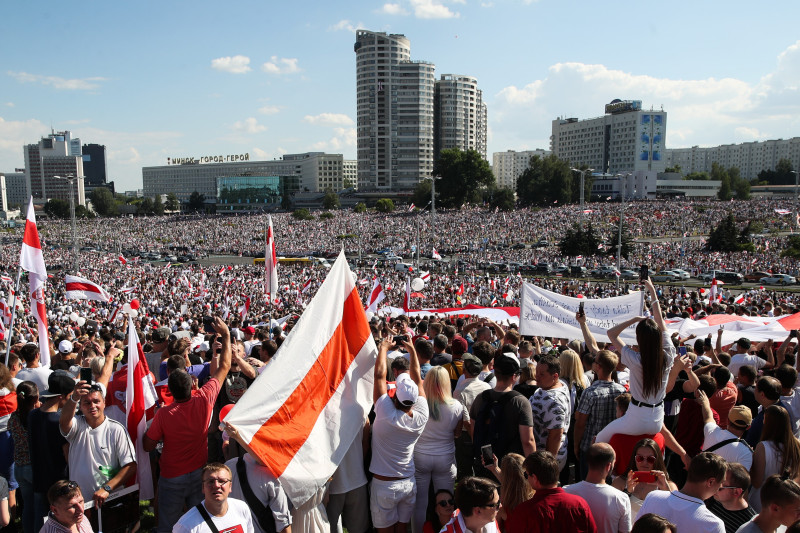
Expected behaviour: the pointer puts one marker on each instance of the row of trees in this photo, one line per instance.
(584, 241)
(106, 204)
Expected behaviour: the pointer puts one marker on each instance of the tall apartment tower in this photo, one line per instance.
(625, 139)
(460, 115)
(94, 165)
(394, 110)
(54, 155)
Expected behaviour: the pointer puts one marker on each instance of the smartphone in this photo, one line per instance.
(208, 324)
(794, 333)
(644, 273)
(398, 339)
(682, 350)
(580, 309)
(86, 375)
(487, 455)
(644, 477)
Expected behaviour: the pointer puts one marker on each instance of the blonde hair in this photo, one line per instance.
(513, 488)
(96, 364)
(527, 372)
(572, 369)
(437, 390)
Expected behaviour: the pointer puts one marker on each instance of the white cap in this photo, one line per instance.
(407, 390)
(65, 346)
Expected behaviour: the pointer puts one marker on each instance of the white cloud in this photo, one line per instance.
(329, 119)
(269, 109)
(345, 25)
(249, 125)
(343, 138)
(76, 84)
(233, 64)
(126, 156)
(277, 65)
(9, 104)
(393, 9)
(432, 9)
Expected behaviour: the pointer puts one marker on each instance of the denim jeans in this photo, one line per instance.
(24, 475)
(40, 509)
(175, 493)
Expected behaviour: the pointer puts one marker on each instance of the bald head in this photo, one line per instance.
(600, 456)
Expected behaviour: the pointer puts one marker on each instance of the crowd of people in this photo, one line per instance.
(474, 427)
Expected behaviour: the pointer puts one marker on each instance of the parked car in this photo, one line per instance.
(629, 274)
(402, 267)
(756, 276)
(578, 271)
(605, 271)
(730, 277)
(665, 275)
(560, 269)
(682, 274)
(778, 279)
(542, 267)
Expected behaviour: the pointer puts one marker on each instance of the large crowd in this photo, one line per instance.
(474, 427)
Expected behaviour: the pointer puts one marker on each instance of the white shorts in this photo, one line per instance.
(391, 502)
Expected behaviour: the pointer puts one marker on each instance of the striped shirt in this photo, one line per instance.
(598, 402)
(733, 520)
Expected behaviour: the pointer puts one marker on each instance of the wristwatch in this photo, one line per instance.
(107, 488)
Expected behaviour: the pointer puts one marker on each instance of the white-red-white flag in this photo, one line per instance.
(713, 295)
(411, 207)
(127, 290)
(270, 265)
(739, 299)
(78, 288)
(140, 397)
(306, 286)
(243, 310)
(122, 259)
(32, 260)
(407, 297)
(425, 276)
(435, 254)
(304, 410)
(6, 279)
(376, 296)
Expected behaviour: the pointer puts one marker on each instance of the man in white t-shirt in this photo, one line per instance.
(33, 370)
(611, 508)
(399, 421)
(740, 356)
(228, 515)
(686, 508)
(265, 487)
(347, 492)
(101, 455)
(739, 420)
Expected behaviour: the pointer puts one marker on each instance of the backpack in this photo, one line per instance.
(489, 426)
(262, 513)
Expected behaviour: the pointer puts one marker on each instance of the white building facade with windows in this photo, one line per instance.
(751, 158)
(508, 166)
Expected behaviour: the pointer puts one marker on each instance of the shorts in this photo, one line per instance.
(391, 502)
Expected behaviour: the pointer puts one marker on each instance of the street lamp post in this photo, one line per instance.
(583, 177)
(623, 186)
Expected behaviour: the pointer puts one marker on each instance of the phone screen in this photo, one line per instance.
(486, 454)
(682, 350)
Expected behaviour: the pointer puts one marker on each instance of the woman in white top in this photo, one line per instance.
(435, 451)
(649, 370)
(778, 452)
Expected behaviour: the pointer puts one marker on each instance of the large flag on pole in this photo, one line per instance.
(140, 396)
(83, 289)
(270, 265)
(376, 296)
(31, 260)
(303, 412)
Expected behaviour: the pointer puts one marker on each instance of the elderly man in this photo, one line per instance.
(101, 455)
(217, 512)
(66, 509)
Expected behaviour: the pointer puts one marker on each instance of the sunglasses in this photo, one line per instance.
(445, 503)
(66, 489)
(650, 459)
(492, 505)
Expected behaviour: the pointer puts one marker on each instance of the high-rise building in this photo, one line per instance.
(94, 164)
(625, 139)
(17, 193)
(459, 115)
(394, 113)
(53, 156)
(750, 158)
(507, 166)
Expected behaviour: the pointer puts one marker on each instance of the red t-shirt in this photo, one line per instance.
(722, 401)
(183, 426)
(550, 510)
(689, 431)
(623, 446)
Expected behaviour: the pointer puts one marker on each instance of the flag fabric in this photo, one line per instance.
(5, 312)
(739, 299)
(122, 259)
(376, 296)
(244, 308)
(304, 410)
(306, 286)
(270, 264)
(127, 290)
(411, 207)
(425, 276)
(460, 290)
(435, 254)
(114, 314)
(140, 396)
(407, 297)
(82, 289)
(31, 260)
(713, 295)
(5, 278)
(782, 211)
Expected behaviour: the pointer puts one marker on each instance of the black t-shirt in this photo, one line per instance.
(441, 359)
(748, 398)
(526, 390)
(517, 412)
(46, 446)
(732, 519)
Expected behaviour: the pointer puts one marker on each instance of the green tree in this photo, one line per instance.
(503, 198)
(145, 207)
(103, 202)
(158, 206)
(579, 241)
(286, 201)
(172, 203)
(793, 247)
(463, 173)
(82, 212)
(422, 193)
(56, 208)
(360, 207)
(718, 173)
(676, 169)
(626, 243)
(326, 215)
(384, 205)
(302, 214)
(197, 202)
(725, 237)
(331, 200)
(697, 176)
(547, 180)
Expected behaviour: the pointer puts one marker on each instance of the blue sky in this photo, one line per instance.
(152, 80)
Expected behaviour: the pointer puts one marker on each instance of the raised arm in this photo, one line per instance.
(655, 306)
(222, 364)
(413, 367)
(379, 383)
(614, 333)
(588, 338)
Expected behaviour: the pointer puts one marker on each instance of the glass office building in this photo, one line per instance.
(253, 193)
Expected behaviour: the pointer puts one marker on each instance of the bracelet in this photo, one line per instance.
(72, 399)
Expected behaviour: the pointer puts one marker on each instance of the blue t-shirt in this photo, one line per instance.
(201, 372)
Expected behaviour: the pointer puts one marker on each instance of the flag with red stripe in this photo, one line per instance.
(407, 297)
(270, 265)
(31, 260)
(376, 296)
(122, 259)
(302, 413)
(140, 396)
(82, 289)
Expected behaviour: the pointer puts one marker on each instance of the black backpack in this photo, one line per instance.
(489, 424)
(262, 513)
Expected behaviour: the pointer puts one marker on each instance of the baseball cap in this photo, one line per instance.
(407, 390)
(506, 364)
(202, 347)
(161, 334)
(459, 345)
(472, 364)
(58, 384)
(65, 346)
(740, 416)
(250, 330)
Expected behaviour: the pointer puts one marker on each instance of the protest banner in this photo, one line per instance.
(549, 314)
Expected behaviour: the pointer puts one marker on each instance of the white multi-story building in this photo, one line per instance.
(183, 176)
(394, 113)
(751, 158)
(54, 156)
(625, 139)
(459, 115)
(17, 193)
(350, 173)
(507, 166)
